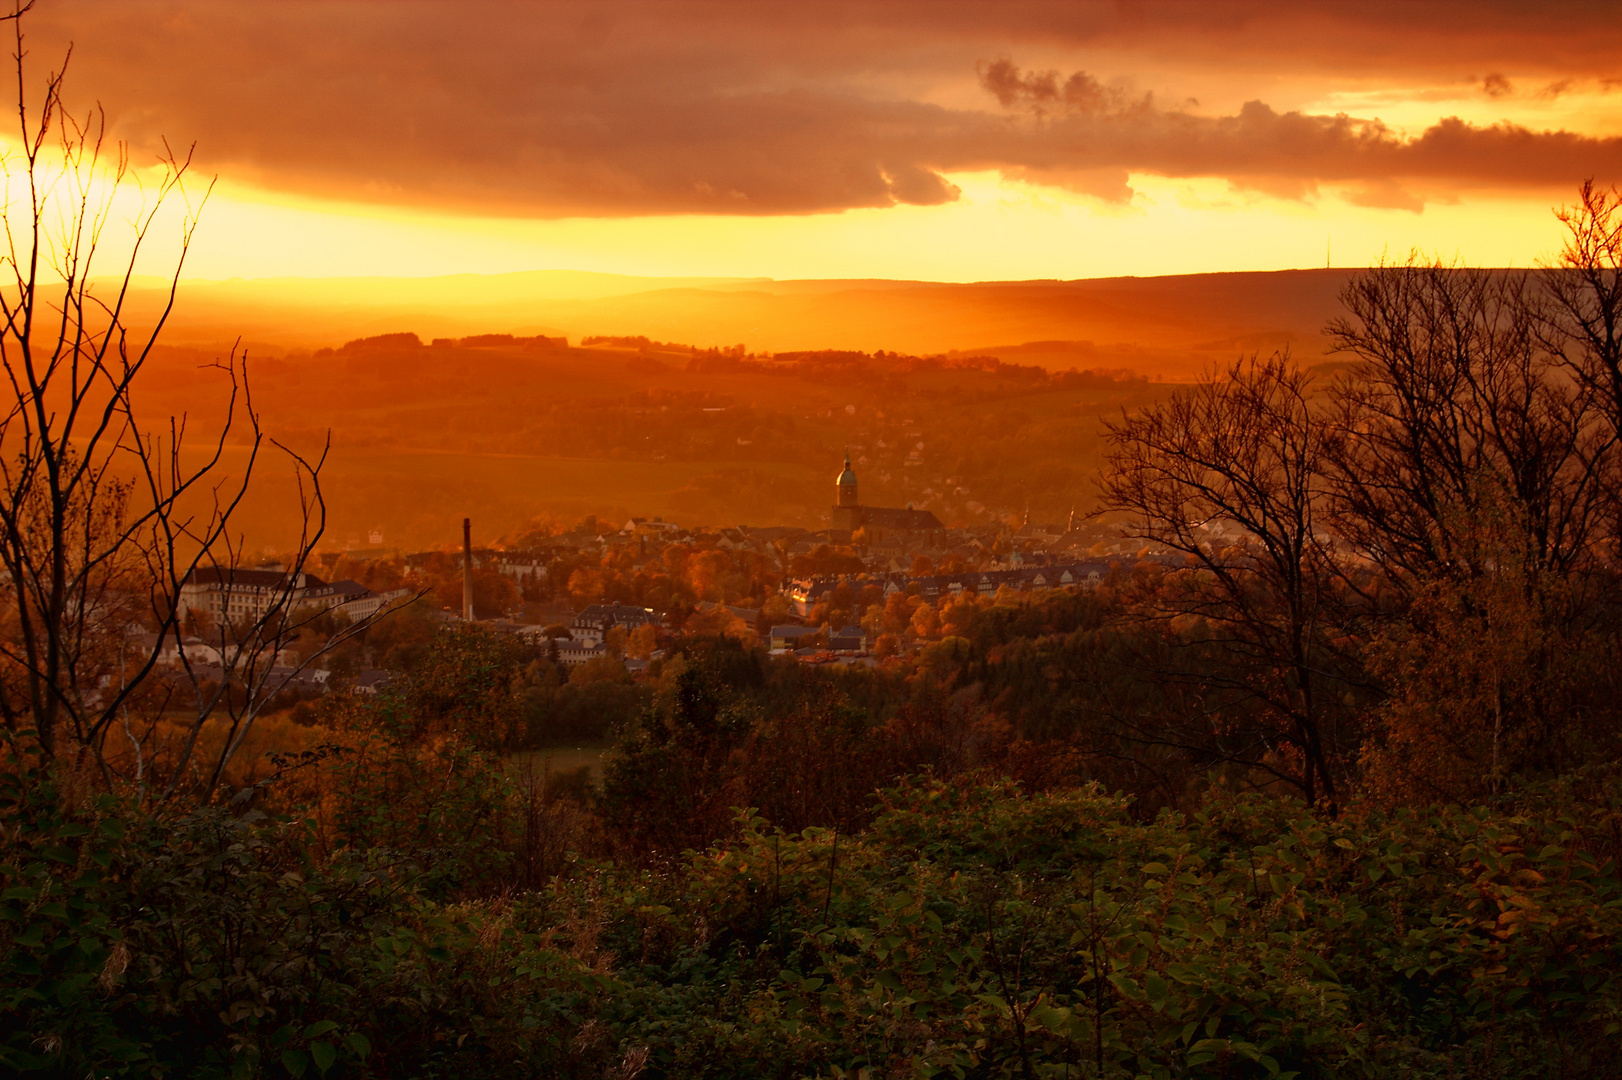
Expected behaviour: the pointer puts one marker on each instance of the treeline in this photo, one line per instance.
(848, 367)
(407, 340)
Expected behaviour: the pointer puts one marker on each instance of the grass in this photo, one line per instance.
(417, 498)
(558, 759)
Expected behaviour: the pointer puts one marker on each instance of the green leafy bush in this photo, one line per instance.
(969, 929)
(973, 931)
(218, 945)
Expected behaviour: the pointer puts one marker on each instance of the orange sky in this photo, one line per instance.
(944, 141)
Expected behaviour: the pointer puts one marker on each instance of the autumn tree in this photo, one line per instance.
(1487, 682)
(1479, 475)
(898, 607)
(104, 515)
(494, 593)
(1581, 320)
(1228, 475)
(1455, 404)
(925, 623)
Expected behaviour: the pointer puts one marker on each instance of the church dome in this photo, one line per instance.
(848, 477)
(846, 488)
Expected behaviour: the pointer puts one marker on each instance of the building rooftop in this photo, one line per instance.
(240, 577)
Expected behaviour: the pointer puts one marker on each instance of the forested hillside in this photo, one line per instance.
(513, 430)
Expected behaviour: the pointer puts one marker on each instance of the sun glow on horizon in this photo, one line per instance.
(999, 229)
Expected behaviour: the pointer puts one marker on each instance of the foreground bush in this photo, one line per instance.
(976, 932)
(970, 930)
(219, 944)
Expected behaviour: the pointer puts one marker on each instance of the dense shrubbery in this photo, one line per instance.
(970, 930)
(407, 904)
(975, 931)
(403, 900)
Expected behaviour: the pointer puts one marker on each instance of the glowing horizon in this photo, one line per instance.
(998, 230)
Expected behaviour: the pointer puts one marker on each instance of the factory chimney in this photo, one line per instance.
(467, 569)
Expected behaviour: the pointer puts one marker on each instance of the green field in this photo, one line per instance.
(417, 499)
(561, 759)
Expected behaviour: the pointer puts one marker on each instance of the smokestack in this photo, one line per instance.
(467, 569)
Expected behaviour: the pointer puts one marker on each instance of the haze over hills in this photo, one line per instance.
(1162, 327)
(513, 430)
(524, 428)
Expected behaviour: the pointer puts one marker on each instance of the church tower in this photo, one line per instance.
(847, 510)
(847, 484)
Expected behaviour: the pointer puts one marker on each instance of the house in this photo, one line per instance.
(593, 623)
(646, 526)
(574, 651)
(370, 681)
(277, 679)
(522, 567)
(369, 603)
(172, 646)
(806, 593)
(332, 596)
(239, 595)
(847, 639)
(790, 637)
(228, 644)
(747, 615)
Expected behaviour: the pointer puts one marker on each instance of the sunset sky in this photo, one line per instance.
(943, 141)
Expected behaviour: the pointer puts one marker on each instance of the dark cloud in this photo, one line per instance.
(1289, 153)
(560, 108)
(1041, 91)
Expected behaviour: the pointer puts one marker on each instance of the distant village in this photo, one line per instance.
(871, 586)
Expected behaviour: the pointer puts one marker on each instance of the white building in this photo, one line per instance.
(237, 595)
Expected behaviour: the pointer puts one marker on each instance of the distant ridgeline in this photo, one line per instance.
(843, 367)
(379, 342)
(835, 366)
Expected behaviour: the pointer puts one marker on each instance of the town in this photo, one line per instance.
(879, 583)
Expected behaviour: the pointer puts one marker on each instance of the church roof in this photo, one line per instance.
(848, 477)
(883, 517)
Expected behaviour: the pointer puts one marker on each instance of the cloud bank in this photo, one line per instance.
(604, 109)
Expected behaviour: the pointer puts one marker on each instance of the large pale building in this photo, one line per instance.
(241, 596)
(850, 514)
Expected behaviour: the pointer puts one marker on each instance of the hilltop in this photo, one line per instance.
(1166, 327)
